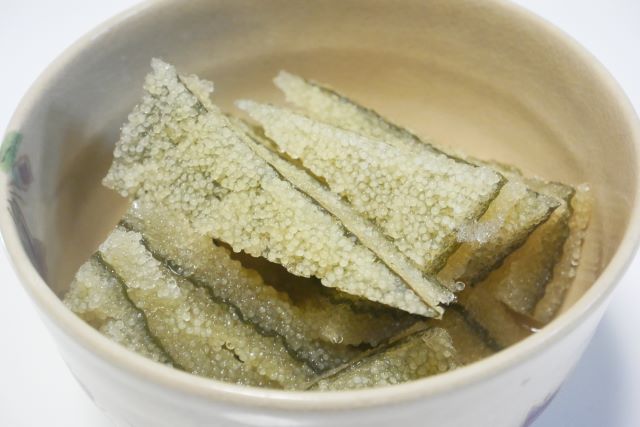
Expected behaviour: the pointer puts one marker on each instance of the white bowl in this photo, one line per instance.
(482, 75)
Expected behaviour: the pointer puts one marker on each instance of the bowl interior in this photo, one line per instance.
(466, 74)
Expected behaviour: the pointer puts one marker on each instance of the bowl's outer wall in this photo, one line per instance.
(511, 398)
(478, 75)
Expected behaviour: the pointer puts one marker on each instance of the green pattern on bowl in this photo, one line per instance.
(9, 150)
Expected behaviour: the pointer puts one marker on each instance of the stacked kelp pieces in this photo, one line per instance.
(324, 249)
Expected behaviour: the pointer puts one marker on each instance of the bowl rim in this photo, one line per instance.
(148, 371)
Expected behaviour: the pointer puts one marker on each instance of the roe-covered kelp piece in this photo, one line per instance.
(418, 200)
(524, 276)
(538, 276)
(512, 216)
(527, 290)
(181, 151)
(202, 335)
(366, 232)
(328, 106)
(169, 236)
(566, 268)
(418, 355)
(506, 225)
(336, 316)
(100, 300)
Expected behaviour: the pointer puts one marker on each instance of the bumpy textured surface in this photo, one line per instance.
(566, 268)
(179, 150)
(169, 236)
(486, 242)
(528, 289)
(327, 105)
(536, 278)
(337, 317)
(419, 355)
(524, 276)
(198, 275)
(312, 328)
(100, 300)
(202, 335)
(509, 221)
(418, 200)
(363, 230)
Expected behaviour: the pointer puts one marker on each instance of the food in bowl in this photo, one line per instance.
(325, 248)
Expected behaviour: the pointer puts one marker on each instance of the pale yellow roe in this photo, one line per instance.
(507, 224)
(485, 241)
(160, 286)
(312, 333)
(366, 232)
(419, 200)
(419, 355)
(564, 272)
(201, 335)
(179, 150)
(100, 300)
(328, 106)
(179, 322)
(527, 291)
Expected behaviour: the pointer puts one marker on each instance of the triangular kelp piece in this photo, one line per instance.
(564, 271)
(419, 201)
(508, 222)
(527, 290)
(169, 237)
(512, 216)
(362, 229)
(327, 105)
(526, 274)
(318, 334)
(179, 150)
(536, 278)
(202, 335)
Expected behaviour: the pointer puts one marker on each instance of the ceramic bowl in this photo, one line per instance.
(481, 75)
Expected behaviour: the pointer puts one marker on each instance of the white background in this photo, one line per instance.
(36, 388)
